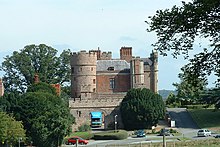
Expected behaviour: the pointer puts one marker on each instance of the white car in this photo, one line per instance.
(204, 132)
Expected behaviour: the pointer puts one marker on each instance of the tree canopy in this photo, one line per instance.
(177, 29)
(141, 108)
(46, 116)
(11, 130)
(22, 65)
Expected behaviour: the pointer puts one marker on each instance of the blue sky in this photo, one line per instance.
(86, 24)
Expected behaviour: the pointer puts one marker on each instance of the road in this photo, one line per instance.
(184, 122)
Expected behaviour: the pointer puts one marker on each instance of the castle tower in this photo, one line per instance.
(83, 74)
(137, 73)
(126, 53)
(154, 71)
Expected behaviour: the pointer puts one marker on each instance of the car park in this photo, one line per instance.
(73, 140)
(141, 133)
(204, 133)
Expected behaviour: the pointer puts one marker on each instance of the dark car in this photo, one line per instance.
(165, 132)
(217, 136)
(141, 133)
(73, 140)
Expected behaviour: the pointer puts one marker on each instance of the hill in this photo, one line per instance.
(165, 93)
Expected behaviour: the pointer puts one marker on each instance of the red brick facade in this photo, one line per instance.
(121, 83)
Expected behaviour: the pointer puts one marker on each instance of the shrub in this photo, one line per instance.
(84, 128)
(111, 135)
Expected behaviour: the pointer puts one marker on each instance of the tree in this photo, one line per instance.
(211, 97)
(177, 29)
(11, 130)
(21, 67)
(46, 116)
(171, 99)
(190, 87)
(141, 108)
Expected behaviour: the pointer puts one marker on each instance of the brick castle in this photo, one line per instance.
(99, 83)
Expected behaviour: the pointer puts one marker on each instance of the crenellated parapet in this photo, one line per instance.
(83, 57)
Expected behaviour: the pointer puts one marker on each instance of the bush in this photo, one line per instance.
(111, 135)
(84, 128)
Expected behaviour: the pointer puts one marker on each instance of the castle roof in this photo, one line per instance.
(116, 65)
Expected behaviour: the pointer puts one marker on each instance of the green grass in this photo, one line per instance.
(206, 118)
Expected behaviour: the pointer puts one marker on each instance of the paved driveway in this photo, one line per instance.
(183, 121)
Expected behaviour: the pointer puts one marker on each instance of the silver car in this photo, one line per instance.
(204, 133)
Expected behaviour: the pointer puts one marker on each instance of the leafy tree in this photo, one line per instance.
(177, 29)
(211, 97)
(190, 87)
(171, 99)
(141, 108)
(9, 102)
(21, 67)
(11, 130)
(46, 116)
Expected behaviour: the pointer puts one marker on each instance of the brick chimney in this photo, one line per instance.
(126, 53)
(36, 79)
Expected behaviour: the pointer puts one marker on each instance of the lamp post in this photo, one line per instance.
(116, 122)
(19, 141)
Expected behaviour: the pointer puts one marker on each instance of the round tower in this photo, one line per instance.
(83, 74)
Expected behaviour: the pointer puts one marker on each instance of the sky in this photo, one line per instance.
(85, 25)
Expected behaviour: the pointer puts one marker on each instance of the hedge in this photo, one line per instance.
(111, 135)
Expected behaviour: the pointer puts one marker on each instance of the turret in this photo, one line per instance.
(83, 74)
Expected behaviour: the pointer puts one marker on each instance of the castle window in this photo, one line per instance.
(93, 89)
(93, 81)
(110, 68)
(72, 69)
(112, 83)
(91, 68)
(74, 78)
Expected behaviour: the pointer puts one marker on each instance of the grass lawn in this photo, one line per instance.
(206, 118)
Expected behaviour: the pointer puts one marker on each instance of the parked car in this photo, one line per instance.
(165, 132)
(73, 140)
(204, 133)
(217, 136)
(141, 133)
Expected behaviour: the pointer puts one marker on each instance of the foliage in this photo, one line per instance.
(84, 135)
(171, 99)
(11, 130)
(84, 128)
(46, 117)
(211, 97)
(22, 65)
(42, 87)
(141, 108)
(178, 27)
(190, 88)
(9, 102)
(111, 135)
